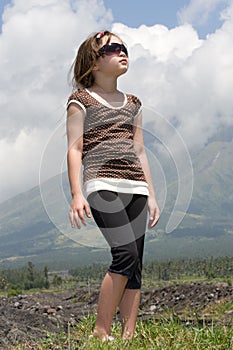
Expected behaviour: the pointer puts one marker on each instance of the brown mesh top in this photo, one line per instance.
(108, 150)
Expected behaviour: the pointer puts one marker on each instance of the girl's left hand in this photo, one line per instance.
(154, 212)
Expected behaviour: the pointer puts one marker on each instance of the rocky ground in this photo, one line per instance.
(33, 315)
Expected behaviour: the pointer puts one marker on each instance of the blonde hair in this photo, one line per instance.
(86, 58)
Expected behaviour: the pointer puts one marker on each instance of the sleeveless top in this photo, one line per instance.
(109, 158)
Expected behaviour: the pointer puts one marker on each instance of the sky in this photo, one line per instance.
(181, 66)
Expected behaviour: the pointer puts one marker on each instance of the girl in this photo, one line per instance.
(104, 128)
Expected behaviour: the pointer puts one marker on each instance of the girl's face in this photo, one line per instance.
(113, 63)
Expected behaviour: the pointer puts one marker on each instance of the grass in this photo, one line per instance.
(166, 334)
(219, 311)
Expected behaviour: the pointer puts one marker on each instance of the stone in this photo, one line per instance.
(51, 311)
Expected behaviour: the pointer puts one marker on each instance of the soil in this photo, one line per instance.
(32, 316)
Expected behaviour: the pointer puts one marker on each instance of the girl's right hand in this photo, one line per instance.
(78, 206)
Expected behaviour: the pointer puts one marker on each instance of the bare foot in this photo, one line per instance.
(103, 338)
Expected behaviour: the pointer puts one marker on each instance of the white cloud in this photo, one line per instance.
(227, 13)
(189, 83)
(20, 161)
(198, 11)
(37, 46)
(159, 42)
(188, 80)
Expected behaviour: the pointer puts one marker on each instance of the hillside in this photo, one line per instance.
(28, 233)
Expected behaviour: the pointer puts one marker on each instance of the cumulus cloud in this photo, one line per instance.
(187, 80)
(198, 11)
(227, 13)
(20, 161)
(38, 43)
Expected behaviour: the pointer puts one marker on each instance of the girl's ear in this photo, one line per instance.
(95, 67)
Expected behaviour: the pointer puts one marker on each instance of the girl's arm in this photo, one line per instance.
(140, 151)
(79, 205)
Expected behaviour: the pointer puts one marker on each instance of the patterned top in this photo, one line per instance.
(108, 149)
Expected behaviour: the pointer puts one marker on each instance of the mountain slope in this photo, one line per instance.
(27, 233)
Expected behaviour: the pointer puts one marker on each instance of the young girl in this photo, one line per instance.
(104, 128)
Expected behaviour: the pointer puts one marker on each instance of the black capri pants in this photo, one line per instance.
(122, 218)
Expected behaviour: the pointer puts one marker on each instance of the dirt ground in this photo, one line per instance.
(33, 315)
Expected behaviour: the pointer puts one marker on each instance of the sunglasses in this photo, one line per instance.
(113, 49)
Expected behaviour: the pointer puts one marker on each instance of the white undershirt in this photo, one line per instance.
(116, 185)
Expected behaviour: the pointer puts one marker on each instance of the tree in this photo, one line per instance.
(46, 276)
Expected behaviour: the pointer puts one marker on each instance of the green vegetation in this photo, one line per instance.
(14, 281)
(171, 270)
(209, 268)
(165, 332)
(150, 335)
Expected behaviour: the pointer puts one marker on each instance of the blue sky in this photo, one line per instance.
(3, 3)
(150, 12)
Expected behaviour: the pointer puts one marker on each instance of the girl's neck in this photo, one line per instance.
(108, 93)
(105, 88)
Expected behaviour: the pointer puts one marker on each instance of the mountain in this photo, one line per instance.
(212, 197)
(35, 225)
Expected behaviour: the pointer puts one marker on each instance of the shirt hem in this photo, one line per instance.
(116, 185)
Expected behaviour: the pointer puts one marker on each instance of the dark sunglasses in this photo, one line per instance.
(113, 49)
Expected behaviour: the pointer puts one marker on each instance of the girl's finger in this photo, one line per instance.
(76, 219)
(156, 219)
(87, 210)
(151, 214)
(81, 216)
(71, 215)
(153, 217)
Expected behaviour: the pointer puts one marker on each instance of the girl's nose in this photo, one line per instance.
(122, 54)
